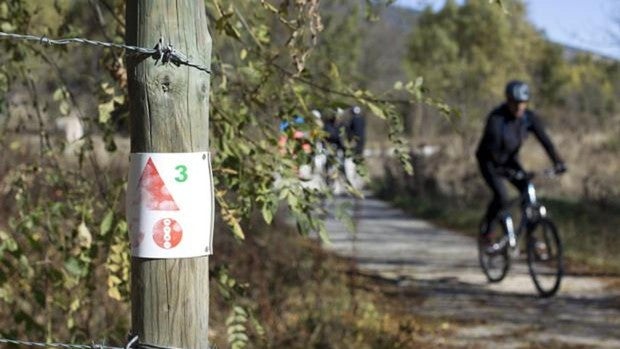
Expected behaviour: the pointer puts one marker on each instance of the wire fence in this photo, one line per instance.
(132, 343)
(57, 345)
(165, 53)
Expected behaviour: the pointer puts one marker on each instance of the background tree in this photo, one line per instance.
(466, 54)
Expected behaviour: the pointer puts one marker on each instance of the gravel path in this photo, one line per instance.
(440, 278)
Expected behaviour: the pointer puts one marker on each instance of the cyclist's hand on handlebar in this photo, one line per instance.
(517, 174)
(523, 175)
(559, 168)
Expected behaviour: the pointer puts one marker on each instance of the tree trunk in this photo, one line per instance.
(169, 114)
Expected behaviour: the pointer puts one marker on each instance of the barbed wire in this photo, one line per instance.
(161, 51)
(56, 345)
(132, 343)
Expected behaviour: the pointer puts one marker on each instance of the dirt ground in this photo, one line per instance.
(436, 275)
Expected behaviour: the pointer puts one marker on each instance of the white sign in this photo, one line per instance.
(170, 205)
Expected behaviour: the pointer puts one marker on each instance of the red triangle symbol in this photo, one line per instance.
(153, 191)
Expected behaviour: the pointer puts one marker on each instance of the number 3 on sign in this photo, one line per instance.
(182, 173)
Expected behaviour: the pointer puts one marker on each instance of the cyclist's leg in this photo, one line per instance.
(500, 196)
(338, 175)
(522, 183)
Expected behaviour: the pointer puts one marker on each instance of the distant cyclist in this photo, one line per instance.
(356, 132)
(506, 128)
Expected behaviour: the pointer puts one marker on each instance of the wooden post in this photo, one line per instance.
(169, 114)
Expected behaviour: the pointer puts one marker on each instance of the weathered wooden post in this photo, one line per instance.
(169, 114)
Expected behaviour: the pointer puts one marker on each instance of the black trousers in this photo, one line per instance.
(494, 177)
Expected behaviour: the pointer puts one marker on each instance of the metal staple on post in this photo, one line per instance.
(165, 53)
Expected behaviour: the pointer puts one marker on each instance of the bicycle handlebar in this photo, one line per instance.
(523, 175)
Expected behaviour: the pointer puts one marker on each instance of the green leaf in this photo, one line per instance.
(237, 230)
(293, 200)
(6, 294)
(106, 223)
(114, 293)
(64, 108)
(121, 226)
(260, 330)
(58, 95)
(334, 73)
(25, 268)
(85, 238)
(418, 83)
(267, 214)
(239, 311)
(105, 111)
(239, 336)
(75, 305)
(107, 89)
(72, 265)
(375, 109)
(237, 328)
(7, 27)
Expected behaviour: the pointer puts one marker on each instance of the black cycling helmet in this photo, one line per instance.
(517, 91)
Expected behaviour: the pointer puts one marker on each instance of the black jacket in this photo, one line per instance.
(504, 134)
(356, 132)
(333, 134)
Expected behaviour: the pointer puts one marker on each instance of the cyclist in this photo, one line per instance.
(331, 127)
(356, 136)
(356, 132)
(506, 128)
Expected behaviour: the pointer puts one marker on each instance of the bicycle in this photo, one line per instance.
(543, 244)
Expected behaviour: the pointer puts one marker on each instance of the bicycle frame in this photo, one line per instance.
(544, 252)
(531, 212)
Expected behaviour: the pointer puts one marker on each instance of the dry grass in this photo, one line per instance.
(307, 298)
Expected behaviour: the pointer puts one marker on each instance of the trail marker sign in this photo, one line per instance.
(170, 205)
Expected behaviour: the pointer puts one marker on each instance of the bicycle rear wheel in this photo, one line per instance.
(493, 253)
(544, 257)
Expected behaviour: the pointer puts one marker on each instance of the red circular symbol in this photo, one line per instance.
(167, 233)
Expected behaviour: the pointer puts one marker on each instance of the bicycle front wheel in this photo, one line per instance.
(544, 257)
(493, 253)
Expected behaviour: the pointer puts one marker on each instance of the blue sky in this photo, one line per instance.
(586, 24)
